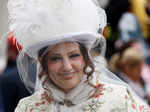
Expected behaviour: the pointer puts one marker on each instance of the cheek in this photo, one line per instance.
(79, 62)
(53, 67)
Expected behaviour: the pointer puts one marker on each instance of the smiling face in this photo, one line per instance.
(66, 65)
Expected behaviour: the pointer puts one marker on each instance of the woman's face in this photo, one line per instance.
(65, 65)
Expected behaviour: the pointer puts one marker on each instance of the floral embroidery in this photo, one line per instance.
(98, 90)
(133, 106)
(42, 101)
(38, 106)
(43, 95)
(125, 102)
(92, 106)
(141, 107)
(31, 109)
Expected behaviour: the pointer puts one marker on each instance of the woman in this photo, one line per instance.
(128, 65)
(57, 36)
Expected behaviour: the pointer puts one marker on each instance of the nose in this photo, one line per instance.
(67, 65)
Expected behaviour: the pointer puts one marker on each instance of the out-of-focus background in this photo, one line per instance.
(11, 87)
(128, 50)
(3, 28)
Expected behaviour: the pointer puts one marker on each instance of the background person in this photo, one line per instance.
(11, 87)
(128, 63)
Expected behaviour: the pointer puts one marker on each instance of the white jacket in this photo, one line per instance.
(103, 97)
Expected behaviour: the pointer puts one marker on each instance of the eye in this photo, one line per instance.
(55, 59)
(74, 55)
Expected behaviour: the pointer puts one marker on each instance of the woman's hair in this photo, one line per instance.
(84, 51)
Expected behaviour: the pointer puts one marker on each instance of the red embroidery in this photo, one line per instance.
(96, 96)
(43, 102)
(133, 106)
(31, 109)
(43, 95)
(141, 107)
(99, 86)
(37, 104)
(98, 90)
(49, 99)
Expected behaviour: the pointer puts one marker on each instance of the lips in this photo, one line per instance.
(68, 76)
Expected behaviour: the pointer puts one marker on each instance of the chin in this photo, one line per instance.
(66, 90)
(70, 86)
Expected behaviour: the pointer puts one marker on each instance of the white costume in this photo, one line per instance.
(105, 97)
(40, 23)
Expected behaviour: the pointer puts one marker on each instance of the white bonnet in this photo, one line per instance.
(38, 23)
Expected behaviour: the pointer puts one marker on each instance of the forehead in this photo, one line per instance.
(66, 46)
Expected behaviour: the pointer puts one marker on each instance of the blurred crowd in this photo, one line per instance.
(128, 52)
(128, 43)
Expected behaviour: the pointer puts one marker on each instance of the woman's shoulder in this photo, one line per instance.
(119, 98)
(39, 100)
(119, 91)
(115, 90)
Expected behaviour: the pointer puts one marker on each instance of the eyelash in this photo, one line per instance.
(54, 59)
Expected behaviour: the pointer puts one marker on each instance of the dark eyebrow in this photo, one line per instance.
(74, 51)
(54, 54)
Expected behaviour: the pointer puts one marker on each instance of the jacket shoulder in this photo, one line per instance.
(38, 101)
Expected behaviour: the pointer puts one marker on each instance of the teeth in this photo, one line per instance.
(67, 74)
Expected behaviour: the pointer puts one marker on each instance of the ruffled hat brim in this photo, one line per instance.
(85, 38)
